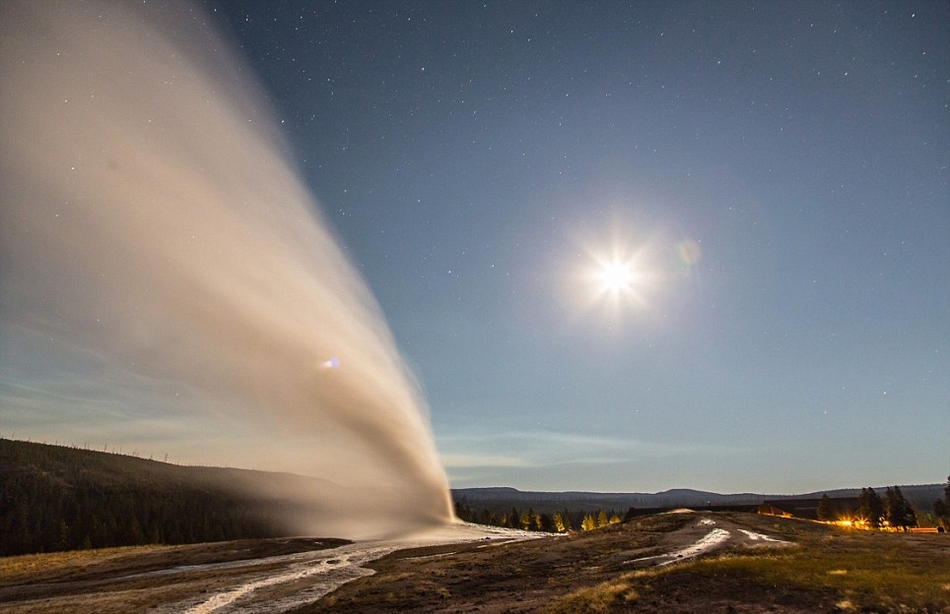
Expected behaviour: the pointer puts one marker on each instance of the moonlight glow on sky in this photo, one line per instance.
(632, 246)
(616, 277)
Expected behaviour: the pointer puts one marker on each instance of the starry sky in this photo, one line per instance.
(774, 177)
(775, 174)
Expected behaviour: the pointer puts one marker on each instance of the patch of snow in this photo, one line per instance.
(711, 540)
(765, 538)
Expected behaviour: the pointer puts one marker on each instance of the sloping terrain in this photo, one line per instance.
(54, 498)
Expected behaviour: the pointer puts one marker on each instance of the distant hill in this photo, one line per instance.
(500, 500)
(59, 498)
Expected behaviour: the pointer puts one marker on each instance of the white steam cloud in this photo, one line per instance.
(160, 258)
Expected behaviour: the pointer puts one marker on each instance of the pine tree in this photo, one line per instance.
(588, 523)
(514, 519)
(898, 512)
(826, 509)
(566, 519)
(533, 521)
(870, 507)
(941, 507)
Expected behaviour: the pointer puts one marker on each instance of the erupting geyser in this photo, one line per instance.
(162, 263)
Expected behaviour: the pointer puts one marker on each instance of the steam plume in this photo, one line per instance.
(160, 257)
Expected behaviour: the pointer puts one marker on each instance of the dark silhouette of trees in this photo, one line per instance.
(870, 507)
(826, 509)
(54, 498)
(556, 522)
(897, 511)
(548, 525)
(941, 507)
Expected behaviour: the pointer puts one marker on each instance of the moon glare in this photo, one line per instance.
(616, 277)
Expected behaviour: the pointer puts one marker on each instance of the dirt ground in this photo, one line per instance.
(765, 564)
(529, 576)
(135, 579)
(604, 571)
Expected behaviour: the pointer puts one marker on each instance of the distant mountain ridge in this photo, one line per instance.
(502, 498)
(61, 498)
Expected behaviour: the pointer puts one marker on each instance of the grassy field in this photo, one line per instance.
(858, 572)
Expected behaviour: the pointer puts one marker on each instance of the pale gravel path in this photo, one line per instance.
(712, 540)
(299, 579)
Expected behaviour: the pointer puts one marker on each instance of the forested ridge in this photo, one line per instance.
(58, 498)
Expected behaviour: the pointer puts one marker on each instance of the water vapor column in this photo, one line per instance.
(162, 267)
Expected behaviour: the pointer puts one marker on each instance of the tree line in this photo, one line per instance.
(941, 507)
(555, 522)
(890, 511)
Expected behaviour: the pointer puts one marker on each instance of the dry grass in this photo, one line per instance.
(14, 569)
(598, 599)
(894, 573)
(860, 572)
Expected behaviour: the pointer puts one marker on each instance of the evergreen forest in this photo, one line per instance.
(55, 498)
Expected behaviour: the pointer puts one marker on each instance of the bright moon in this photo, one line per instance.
(616, 277)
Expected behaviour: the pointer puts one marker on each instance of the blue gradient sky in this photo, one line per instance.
(478, 159)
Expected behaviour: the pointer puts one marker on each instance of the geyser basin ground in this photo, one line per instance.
(827, 569)
(271, 575)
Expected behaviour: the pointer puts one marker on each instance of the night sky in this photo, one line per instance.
(775, 174)
(771, 179)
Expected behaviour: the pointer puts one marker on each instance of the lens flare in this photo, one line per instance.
(331, 363)
(688, 252)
